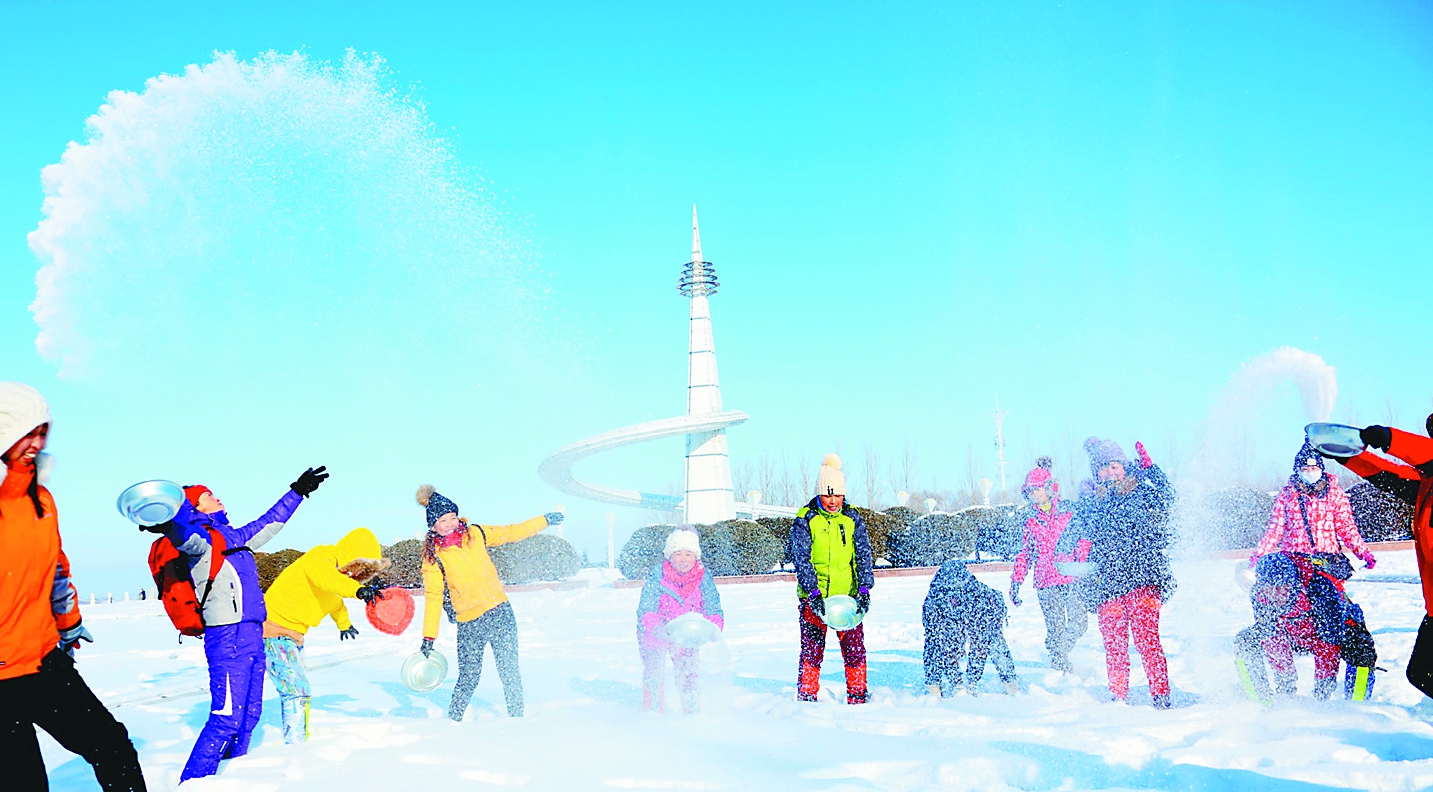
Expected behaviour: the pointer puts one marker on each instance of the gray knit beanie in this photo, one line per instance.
(436, 504)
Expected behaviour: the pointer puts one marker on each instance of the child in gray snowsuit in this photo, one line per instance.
(964, 616)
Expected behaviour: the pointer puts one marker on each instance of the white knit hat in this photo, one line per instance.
(831, 481)
(682, 539)
(22, 408)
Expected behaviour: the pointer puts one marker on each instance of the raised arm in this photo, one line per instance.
(1397, 479)
(255, 534)
(505, 534)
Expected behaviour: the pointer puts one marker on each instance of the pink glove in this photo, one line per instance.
(1253, 560)
(1144, 460)
(1368, 560)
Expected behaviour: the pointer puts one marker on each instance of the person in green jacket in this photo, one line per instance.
(832, 554)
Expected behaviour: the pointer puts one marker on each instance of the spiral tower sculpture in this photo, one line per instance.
(708, 490)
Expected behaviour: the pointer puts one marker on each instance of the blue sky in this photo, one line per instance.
(1097, 212)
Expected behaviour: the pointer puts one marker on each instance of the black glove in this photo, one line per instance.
(863, 600)
(1015, 593)
(818, 605)
(553, 518)
(351, 632)
(368, 592)
(309, 480)
(1380, 437)
(427, 647)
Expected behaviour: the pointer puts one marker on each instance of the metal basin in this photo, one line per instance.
(150, 502)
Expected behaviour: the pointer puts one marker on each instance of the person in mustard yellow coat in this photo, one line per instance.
(459, 578)
(309, 590)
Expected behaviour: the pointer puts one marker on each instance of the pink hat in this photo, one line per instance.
(1041, 476)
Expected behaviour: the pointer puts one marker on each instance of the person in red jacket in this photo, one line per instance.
(40, 622)
(1408, 476)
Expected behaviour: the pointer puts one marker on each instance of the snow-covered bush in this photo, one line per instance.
(541, 557)
(756, 549)
(643, 550)
(1380, 517)
(271, 564)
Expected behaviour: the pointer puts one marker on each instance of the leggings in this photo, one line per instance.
(499, 628)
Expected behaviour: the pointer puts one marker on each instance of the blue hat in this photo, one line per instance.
(1307, 456)
(436, 504)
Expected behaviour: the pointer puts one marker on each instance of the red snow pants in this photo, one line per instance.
(813, 649)
(1136, 612)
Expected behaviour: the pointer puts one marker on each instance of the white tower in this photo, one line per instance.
(709, 496)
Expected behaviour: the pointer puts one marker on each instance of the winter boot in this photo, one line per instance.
(1161, 701)
(1254, 680)
(1286, 684)
(654, 697)
(1012, 686)
(690, 702)
(1358, 683)
(1060, 662)
(293, 713)
(1323, 688)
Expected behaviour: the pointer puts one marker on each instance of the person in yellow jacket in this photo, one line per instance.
(460, 579)
(313, 587)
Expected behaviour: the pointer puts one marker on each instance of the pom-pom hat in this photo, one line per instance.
(830, 480)
(1040, 476)
(682, 539)
(436, 504)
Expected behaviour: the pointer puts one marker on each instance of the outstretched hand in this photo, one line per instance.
(309, 480)
(553, 518)
(1144, 460)
(369, 592)
(351, 632)
(816, 603)
(1380, 437)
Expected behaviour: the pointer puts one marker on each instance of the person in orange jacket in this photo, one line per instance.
(459, 578)
(40, 625)
(1408, 476)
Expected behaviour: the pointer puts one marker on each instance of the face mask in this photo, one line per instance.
(1310, 477)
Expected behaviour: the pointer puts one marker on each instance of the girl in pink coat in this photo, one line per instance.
(1051, 534)
(677, 586)
(1312, 515)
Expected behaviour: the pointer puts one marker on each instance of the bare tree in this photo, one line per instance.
(908, 465)
(871, 474)
(805, 481)
(1390, 411)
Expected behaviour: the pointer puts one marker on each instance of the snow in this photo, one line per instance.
(584, 730)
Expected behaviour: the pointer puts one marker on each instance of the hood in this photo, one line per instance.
(955, 575)
(358, 543)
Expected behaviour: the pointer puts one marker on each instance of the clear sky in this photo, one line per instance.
(445, 265)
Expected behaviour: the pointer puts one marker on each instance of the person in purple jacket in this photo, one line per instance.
(677, 586)
(234, 613)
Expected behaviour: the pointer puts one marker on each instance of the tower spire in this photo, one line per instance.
(709, 497)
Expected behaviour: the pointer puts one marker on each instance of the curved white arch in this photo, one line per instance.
(556, 470)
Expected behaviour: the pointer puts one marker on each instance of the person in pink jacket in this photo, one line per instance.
(1051, 534)
(1312, 515)
(677, 586)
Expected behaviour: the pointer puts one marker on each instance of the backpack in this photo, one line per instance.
(175, 584)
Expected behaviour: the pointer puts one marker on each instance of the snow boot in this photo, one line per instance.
(1012, 687)
(1323, 688)
(1286, 684)
(1061, 663)
(1255, 681)
(293, 713)
(1358, 683)
(1161, 701)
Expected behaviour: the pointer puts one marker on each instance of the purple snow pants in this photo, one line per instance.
(236, 684)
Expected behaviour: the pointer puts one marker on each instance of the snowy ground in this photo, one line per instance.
(583, 728)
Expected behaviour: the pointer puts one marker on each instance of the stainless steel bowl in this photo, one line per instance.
(691, 630)
(842, 613)
(1335, 440)
(150, 502)
(421, 674)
